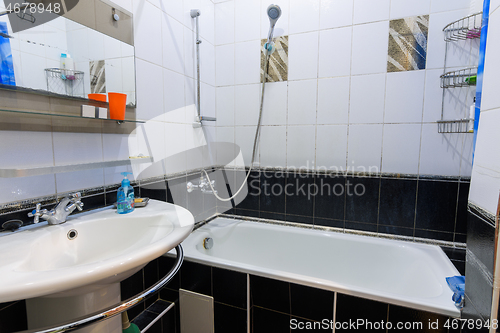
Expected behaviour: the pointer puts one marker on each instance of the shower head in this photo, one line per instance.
(274, 13)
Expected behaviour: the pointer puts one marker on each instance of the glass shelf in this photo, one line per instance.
(71, 116)
(15, 173)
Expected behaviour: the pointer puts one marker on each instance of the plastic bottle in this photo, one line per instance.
(125, 198)
(472, 114)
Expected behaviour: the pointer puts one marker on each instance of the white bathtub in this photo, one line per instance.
(390, 271)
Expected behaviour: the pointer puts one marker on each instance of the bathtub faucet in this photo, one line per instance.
(203, 185)
(60, 213)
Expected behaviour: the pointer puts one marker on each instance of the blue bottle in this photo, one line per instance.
(126, 198)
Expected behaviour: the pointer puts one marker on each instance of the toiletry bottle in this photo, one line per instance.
(125, 198)
(62, 64)
(472, 114)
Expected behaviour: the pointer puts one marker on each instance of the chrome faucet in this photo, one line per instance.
(60, 213)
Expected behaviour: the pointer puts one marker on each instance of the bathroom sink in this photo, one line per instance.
(89, 251)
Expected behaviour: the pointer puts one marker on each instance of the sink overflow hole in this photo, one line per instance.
(72, 234)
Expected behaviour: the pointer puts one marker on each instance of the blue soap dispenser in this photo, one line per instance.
(126, 198)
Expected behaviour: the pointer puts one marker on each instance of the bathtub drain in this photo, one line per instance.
(208, 243)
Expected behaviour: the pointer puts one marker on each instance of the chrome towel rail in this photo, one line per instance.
(117, 309)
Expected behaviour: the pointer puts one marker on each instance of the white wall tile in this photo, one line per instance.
(404, 97)
(273, 146)
(148, 40)
(335, 52)
(300, 149)
(335, 13)
(433, 95)
(173, 8)
(467, 154)
(207, 27)
(89, 148)
(244, 138)
(173, 44)
(225, 106)
(371, 10)
(401, 140)
(494, 5)
(446, 5)
(149, 91)
(491, 86)
(275, 103)
(246, 20)
(367, 98)
(175, 147)
(247, 62)
(16, 189)
(281, 27)
(226, 153)
(224, 65)
(333, 101)
(364, 147)
(440, 154)
(405, 8)
(207, 63)
(26, 149)
(247, 104)
(369, 48)
(224, 26)
(303, 56)
(331, 147)
(484, 188)
(189, 52)
(304, 15)
(207, 97)
(302, 102)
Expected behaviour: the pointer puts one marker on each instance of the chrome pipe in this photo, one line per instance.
(195, 14)
(115, 310)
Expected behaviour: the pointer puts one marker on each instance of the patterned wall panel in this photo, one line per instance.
(278, 62)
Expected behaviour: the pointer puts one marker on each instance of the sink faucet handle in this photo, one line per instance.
(37, 212)
(75, 199)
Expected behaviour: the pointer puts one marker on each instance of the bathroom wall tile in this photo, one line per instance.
(369, 48)
(157, 191)
(281, 28)
(148, 45)
(302, 102)
(275, 104)
(479, 289)
(371, 10)
(333, 101)
(311, 303)
(364, 148)
(270, 294)
(174, 96)
(331, 147)
(407, 315)
(368, 227)
(300, 193)
(405, 8)
(229, 319)
(433, 95)
(393, 148)
(244, 138)
(16, 189)
(436, 205)
(443, 5)
(267, 321)
(189, 52)
(247, 98)
(207, 99)
(272, 198)
(207, 26)
(467, 156)
(490, 99)
(362, 200)
(149, 91)
(348, 307)
(397, 202)
(225, 106)
(440, 154)
(224, 65)
(481, 239)
(272, 216)
(335, 13)
(391, 230)
(304, 16)
(329, 203)
(207, 63)
(404, 97)
(26, 149)
(248, 199)
(247, 62)
(272, 145)
(246, 20)
(173, 44)
(226, 153)
(224, 29)
(300, 147)
(367, 99)
(408, 31)
(196, 277)
(230, 287)
(303, 56)
(335, 52)
(463, 196)
(13, 318)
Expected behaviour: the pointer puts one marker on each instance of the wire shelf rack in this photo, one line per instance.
(460, 78)
(456, 126)
(65, 82)
(468, 27)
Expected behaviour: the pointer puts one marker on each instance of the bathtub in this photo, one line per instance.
(391, 271)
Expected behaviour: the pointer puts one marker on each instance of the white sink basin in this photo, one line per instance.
(109, 247)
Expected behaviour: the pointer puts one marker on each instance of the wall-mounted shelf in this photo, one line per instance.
(460, 78)
(468, 27)
(15, 173)
(455, 126)
(71, 116)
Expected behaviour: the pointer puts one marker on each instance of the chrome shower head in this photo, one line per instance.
(274, 13)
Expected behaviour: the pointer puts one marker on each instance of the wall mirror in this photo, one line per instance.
(65, 58)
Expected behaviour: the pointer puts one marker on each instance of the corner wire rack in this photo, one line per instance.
(460, 78)
(468, 27)
(65, 81)
(456, 126)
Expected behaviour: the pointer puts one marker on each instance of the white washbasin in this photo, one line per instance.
(43, 261)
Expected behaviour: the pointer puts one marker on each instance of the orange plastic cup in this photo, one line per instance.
(98, 97)
(117, 105)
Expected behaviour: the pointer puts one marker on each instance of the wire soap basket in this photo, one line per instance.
(468, 27)
(459, 78)
(464, 125)
(65, 82)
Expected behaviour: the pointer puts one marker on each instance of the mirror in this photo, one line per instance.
(93, 62)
